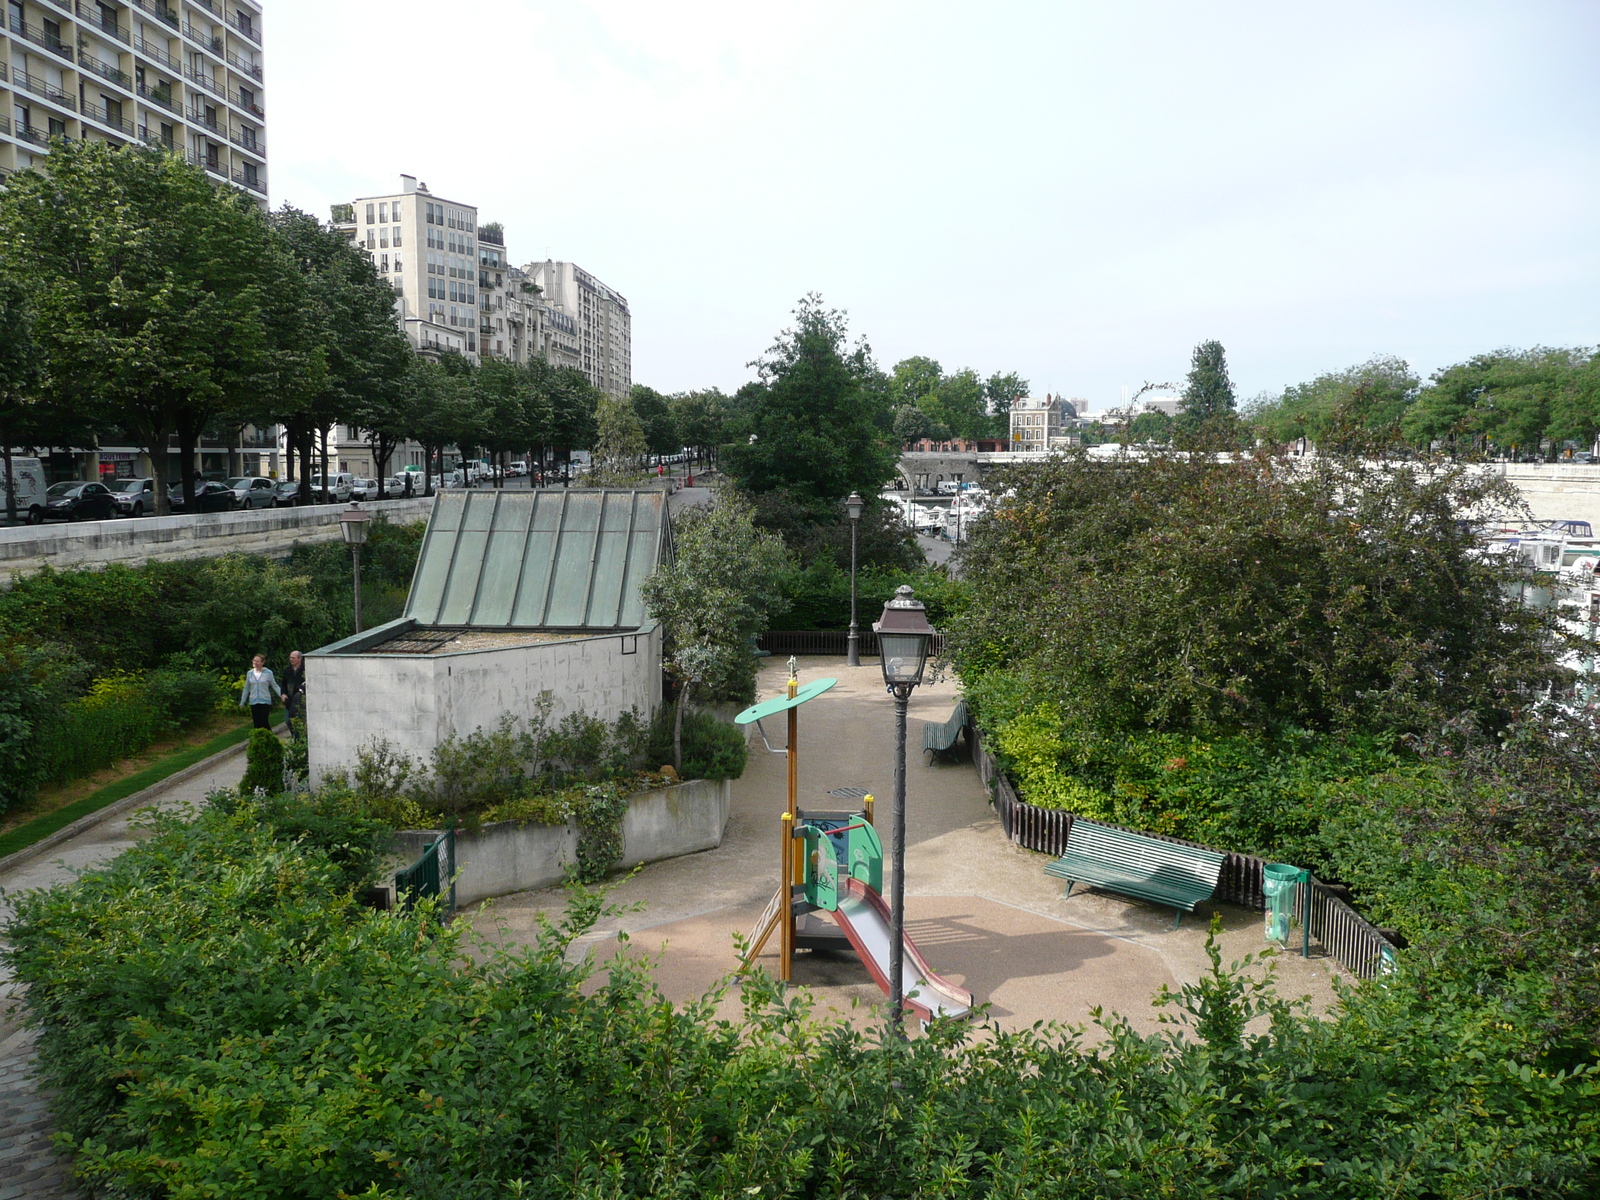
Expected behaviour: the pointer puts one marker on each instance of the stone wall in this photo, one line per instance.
(418, 700)
(508, 857)
(134, 541)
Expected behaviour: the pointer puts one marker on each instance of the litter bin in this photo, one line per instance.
(1278, 882)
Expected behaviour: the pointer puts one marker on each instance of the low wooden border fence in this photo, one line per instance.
(1345, 934)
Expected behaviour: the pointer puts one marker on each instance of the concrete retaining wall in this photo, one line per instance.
(417, 701)
(508, 857)
(135, 541)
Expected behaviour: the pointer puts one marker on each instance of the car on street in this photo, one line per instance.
(340, 485)
(363, 489)
(210, 496)
(134, 497)
(253, 491)
(517, 468)
(286, 494)
(78, 500)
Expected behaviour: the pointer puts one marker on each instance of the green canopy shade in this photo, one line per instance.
(562, 558)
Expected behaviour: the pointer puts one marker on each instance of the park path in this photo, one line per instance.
(30, 1168)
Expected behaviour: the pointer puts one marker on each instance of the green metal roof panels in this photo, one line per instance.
(565, 558)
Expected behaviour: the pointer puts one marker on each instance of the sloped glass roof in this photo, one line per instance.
(566, 558)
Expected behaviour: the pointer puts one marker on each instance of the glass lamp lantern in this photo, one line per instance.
(903, 639)
(853, 506)
(353, 524)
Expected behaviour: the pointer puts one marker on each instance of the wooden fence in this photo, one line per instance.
(1339, 929)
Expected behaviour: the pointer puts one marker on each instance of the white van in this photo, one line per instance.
(30, 487)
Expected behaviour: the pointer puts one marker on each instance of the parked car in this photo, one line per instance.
(210, 496)
(78, 500)
(134, 497)
(517, 468)
(340, 485)
(253, 491)
(29, 488)
(363, 489)
(287, 493)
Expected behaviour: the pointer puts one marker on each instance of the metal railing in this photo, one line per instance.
(39, 87)
(213, 165)
(102, 21)
(248, 141)
(162, 96)
(210, 41)
(153, 138)
(238, 101)
(247, 68)
(254, 182)
(1343, 933)
(106, 70)
(198, 116)
(431, 876)
(204, 79)
(29, 134)
(157, 53)
(97, 112)
(245, 25)
(38, 36)
(161, 11)
(823, 641)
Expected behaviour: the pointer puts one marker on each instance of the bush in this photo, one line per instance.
(818, 595)
(712, 749)
(263, 763)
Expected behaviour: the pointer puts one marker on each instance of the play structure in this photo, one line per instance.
(832, 862)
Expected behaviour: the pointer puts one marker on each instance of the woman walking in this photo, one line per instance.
(260, 685)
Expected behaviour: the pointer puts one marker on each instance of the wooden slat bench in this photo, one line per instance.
(940, 738)
(1147, 868)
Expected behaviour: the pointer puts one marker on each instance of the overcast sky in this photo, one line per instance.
(1077, 192)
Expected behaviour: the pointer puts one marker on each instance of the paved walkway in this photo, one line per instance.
(981, 909)
(30, 1169)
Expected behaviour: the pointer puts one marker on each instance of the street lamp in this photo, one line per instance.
(853, 643)
(903, 638)
(353, 527)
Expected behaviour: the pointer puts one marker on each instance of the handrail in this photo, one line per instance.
(97, 22)
(116, 75)
(163, 57)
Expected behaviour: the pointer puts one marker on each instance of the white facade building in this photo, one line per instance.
(601, 329)
(1041, 424)
(184, 74)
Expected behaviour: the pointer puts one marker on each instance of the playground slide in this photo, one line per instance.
(864, 918)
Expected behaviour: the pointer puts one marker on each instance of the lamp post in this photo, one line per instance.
(903, 637)
(353, 527)
(853, 643)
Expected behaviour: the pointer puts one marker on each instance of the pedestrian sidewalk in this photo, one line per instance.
(30, 1169)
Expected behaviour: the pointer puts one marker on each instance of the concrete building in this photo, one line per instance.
(186, 76)
(602, 324)
(1041, 424)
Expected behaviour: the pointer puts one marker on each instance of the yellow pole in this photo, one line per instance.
(866, 802)
(786, 899)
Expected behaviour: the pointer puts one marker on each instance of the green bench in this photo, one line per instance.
(940, 737)
(1146, 868)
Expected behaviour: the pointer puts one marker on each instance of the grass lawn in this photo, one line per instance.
(58, 807)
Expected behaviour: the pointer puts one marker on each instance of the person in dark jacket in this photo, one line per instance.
(260, 685)
(294, 690)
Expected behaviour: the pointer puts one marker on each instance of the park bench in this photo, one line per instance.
(940, 737)
(1146, 868)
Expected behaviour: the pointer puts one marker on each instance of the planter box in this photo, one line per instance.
(509, 856)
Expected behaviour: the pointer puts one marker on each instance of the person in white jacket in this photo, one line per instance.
(260, 686)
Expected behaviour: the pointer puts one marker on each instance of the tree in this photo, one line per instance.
(1359, 408)
(574, 403)
(619, 446)
(958, 403)
(816, 423)
(655, 419)
(913, 379)
(911, 424)
(146, 282)
(19, 375)
(700, 418)
(712, 598)
(1155, 427)
(1207, 408)
(1001, 392)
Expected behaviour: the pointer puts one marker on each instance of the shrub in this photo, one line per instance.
(712, 749)
(263, 763)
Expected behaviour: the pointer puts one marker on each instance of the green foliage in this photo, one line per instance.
(218, 1017)
(620, 447)
(263, 763)
(1206, 417)
(1190, 595)
(1357, 409)
(36, 683)
(818, 596)
(712, 749)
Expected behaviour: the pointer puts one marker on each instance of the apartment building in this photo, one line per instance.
(1041, 424)
(185, 75)
(602, 327)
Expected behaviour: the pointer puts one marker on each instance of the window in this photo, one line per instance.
(383, 237)
(372, 239)
(397, 264)
(383, 263)
(453, 312)
(394, 234)
(369, 214)
(383, 212)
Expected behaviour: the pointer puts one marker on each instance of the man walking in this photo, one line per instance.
(294, 690)
(260, 685)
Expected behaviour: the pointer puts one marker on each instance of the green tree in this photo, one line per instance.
(1206, 412)
(146, 282)
(1001, 392)
(619, 447)
(816, 424)
(655, 418)
(912, 424)
(913, 380)
(959, 404)
(1349, 409)
(19, 376)
(722, 585)
(700, 418)
(1154, 427)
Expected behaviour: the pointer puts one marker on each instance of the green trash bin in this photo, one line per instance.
(1278, 882)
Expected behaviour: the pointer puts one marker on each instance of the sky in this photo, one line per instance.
(1076, 192)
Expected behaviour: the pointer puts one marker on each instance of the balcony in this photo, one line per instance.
(121, 78)
(107, 117)
(102, 20)
(204, 79)
(199, 117)
(213, 44)
(39, 37)
(210, 163)
(248, 140)
(244, 68)
(161, 96)
(158, 10)
(255, 183)
(245, 25)
(208, 6)
(28, 133)
(238, 101)
(151, 138)
(32, 83)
